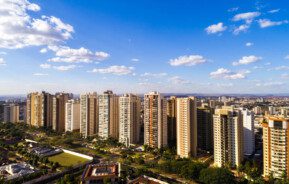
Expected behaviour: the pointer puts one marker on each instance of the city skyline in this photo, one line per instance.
(173, 47)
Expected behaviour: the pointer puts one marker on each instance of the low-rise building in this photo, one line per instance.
(15, 170)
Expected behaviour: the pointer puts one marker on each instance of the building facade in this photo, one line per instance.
(108, 115)
(11, 113)
(228, 137)
(72, 115)
(155, 120)
(88, 114)
(205, 128)
(172, 119)
(186, 127)
(39, 108)
(276, 147)
(58, 120)
(129, 119)
(248, 131)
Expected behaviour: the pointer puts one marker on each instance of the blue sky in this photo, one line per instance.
(182, 46)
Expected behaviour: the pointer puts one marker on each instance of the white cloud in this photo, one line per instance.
(190, 60)
(274, 11)
(2, 62)
(216, 28)
(40, 74)
(233, 9)
(281, 68)
(241, 28)
(115, 69)
(245, 60)
(69, 55)
(247, 17)
(3, 53)
(263, 23)
(269, 84)
(285, 76)
(45, 66)
(135, 60)
(227, 74)
(64, 68)
(249, 44)
(43, 50)
(18, 29)
(178, 80)
(148, 74)
(286, 57)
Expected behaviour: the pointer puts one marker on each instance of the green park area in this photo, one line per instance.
(66, 159)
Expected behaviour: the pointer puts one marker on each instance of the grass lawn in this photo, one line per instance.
(66, 159)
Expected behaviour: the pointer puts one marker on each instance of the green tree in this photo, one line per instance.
(217, 176)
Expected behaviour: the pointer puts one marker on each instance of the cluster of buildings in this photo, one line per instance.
(219, 126)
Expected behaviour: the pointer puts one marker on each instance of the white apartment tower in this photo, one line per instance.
(129, 119)
(228, 137)
(11, 113)
(72, 115)
(186, 127)
(108, 115)
(155, 120)
(248, 131)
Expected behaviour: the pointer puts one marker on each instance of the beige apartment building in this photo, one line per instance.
(228, 137)
(58, 120)
(155, 120)
(129, 119)
(88, 114)
(275, 146)
(39, 109)
(186, 127)
(108, 115)
(11, 113)
(72, 115)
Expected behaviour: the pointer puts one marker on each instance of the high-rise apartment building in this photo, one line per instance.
(205, 128)
(248, 132)
(88, 114)
(276, 147)
(11, 113)
(108, 115)
(129, 119)
(72, 115)
(228, 137)
(172, 119)
(39, 108)
(186, 127)
(59, 101)
(155, 120)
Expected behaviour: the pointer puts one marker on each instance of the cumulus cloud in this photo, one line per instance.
(227, 74)
(148, 74)
(216, 28)
(135, 60)
(64, 68)
(43, 50)
(274, 11)
(69, 55)
(40, 74)
(2, 62)
(115, 70)
(245, 60)
(190, 60)
(18, 29)
(249, 44)
(45, 66)
(241, 28)
(178, 80)
(247, 17)
(264, 23)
